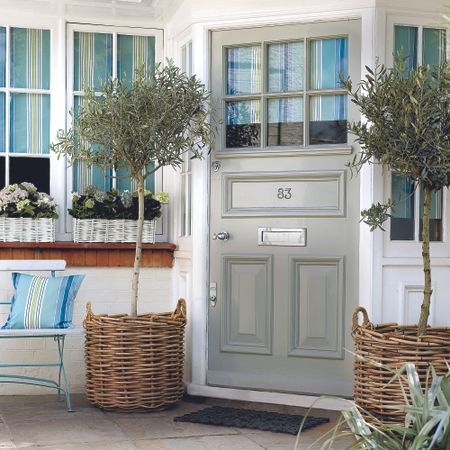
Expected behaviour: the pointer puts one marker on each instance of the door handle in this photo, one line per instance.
(222, 236)
(213, 293)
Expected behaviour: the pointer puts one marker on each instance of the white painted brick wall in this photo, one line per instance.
(108, 289)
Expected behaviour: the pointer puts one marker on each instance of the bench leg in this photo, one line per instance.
(62, 372)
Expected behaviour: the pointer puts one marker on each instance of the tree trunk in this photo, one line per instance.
(425, 309)
(138, 254)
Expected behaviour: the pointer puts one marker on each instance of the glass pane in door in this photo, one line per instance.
(285, 121)
(328, 119)
(243, 70)
(285, 67)
(329, 61)
(243, 124)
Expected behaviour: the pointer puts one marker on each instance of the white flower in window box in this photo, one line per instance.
(112, 216)
(26, 215)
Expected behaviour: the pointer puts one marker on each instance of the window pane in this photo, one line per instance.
(243, 70)
(402, 220)
(125, 183)
(92, 59)
(285, 67)
(243, 124)
(329, 60)
(433, 46)
(2, 56)
(84, 176)
(435, 216)
(132, 53)
(2, 122)
(30, 58)
(405, 42)
(33, 170)
(2, 172)
(328, 119)
(285, 121)
(30, 123)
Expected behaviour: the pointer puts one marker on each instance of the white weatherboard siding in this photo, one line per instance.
(108, 289)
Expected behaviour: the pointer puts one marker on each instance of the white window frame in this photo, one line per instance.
(185, 229)
(57, 108)
(412, 248)
(72, 27)
(8, 91)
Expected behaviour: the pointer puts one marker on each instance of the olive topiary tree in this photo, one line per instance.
(406, 130)
(152, 120)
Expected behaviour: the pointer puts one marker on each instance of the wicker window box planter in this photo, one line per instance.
(25, 229)
(120, 230)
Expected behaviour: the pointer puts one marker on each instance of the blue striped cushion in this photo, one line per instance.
(41, 302)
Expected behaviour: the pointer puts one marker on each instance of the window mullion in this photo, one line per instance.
(8, 103)
(306, 82)
(264, 89)
(420, 46)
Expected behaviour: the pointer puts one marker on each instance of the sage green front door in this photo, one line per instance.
(284, 209)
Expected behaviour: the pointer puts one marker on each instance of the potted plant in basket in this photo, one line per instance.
(26, 215)
(112, 216)
(408, 132)
(136, 361)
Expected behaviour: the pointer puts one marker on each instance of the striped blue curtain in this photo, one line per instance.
(133, 52)
(328, 107)
(405, 44)
(328, 60)
(92, 60)
(434, 47)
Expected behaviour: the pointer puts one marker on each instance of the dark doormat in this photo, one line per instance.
(248, 418)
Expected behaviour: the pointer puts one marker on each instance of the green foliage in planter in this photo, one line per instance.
(151, 122)
(24, 200)
(113, 204)
(407, 130)
(427, 421)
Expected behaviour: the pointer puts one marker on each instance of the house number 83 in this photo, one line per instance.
(284, 193)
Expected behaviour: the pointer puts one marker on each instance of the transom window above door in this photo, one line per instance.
(286, 94)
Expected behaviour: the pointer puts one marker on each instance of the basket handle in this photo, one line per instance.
(180, 310)
(366, 322)
(89, 312)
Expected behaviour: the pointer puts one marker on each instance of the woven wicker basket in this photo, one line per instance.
(393, 346)
(120, 230)
(25, 229)
(135, 363)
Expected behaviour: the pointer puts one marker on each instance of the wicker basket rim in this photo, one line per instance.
(163, 318)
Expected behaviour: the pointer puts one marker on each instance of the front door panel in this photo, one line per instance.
(287, 276)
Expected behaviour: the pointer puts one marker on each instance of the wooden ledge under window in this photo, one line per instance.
(90, 255)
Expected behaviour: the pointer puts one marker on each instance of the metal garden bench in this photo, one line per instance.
(57, 334)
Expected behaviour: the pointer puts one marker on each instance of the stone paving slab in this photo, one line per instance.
(40, 422)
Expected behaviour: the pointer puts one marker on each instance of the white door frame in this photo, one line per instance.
(200, 239)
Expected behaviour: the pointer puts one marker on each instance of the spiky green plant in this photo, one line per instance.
(427, 420)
